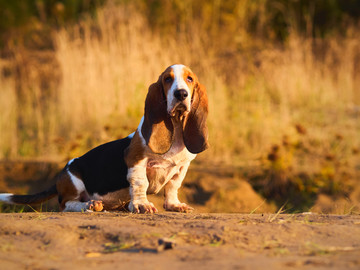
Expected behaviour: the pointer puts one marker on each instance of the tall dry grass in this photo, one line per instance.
(104, 67)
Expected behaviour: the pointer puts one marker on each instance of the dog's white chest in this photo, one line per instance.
(161, 169)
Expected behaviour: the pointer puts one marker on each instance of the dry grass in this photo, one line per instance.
(103, 69)
(7, 119)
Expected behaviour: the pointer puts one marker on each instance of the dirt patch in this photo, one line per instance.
(203, 241)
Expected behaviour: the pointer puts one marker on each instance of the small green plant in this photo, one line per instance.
(116, 247)
(40, 215)
(256, 208)
(276, 215)
(7, 208)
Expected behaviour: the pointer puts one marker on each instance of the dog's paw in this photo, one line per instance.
(178, 207)
(96, 206)
(142, 207)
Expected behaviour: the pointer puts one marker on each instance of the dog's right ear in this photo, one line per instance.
(157, 128)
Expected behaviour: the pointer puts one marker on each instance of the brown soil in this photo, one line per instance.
(104, 240)
(195, 241)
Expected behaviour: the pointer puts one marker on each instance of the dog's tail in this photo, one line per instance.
(29, 199)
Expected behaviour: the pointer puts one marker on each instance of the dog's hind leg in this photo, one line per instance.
(76, 206)
(73, 196)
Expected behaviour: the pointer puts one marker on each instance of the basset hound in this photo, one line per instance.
(157, 155)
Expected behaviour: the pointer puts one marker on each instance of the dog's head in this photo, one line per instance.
(176, 96)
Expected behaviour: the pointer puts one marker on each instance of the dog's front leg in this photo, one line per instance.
(172, 202)
(138, 187)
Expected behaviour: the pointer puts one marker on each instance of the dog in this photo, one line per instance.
(157, 155)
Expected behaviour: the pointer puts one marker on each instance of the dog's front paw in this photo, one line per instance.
(142, 207)
(178, 207)
(96, 206)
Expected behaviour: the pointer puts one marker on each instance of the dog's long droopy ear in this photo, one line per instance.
(157, 128)
(195, 128)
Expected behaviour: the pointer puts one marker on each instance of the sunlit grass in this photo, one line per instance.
(13, 208)
(102, 76)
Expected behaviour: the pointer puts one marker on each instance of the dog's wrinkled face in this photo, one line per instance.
(176, 100)
(178, 83)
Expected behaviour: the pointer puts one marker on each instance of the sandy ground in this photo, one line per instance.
(192, 241)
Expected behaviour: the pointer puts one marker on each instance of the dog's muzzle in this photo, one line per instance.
(181, 94)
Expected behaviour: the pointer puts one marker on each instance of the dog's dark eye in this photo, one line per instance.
(189, 79)
(168, 79)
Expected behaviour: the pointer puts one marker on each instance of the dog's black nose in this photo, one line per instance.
(181, 94)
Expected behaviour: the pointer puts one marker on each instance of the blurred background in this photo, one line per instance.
(283, 80)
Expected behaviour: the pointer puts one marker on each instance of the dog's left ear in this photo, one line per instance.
(157, 128)
(195, 131)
